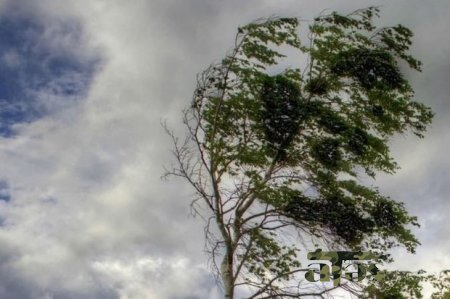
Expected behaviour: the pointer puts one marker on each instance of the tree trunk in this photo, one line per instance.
(227, 276)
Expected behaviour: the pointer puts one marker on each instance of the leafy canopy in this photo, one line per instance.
(325, 124)
(297, 141)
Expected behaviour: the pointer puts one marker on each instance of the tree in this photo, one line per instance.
(275, 157)
(441, 283)
(405, 284)
(398, 285)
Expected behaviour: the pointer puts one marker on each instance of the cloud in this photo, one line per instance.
(43, 67)
(87, 215)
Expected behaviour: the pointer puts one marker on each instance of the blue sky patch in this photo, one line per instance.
(4, 191)
(43, 68)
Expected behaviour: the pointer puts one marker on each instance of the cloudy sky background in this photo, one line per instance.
(84, 86)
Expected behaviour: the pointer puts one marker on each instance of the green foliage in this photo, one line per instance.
(373, 69)
(268, 258)
(397, 285)
(281, 113)
(317, 86)
(403, 284)
(441, 283)
(297, 141)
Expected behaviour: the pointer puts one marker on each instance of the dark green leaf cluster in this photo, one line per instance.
(352, 212)
(281, 113)
(317, 86)
(371, 68)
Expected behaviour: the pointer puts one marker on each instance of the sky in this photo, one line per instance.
(84, 87)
